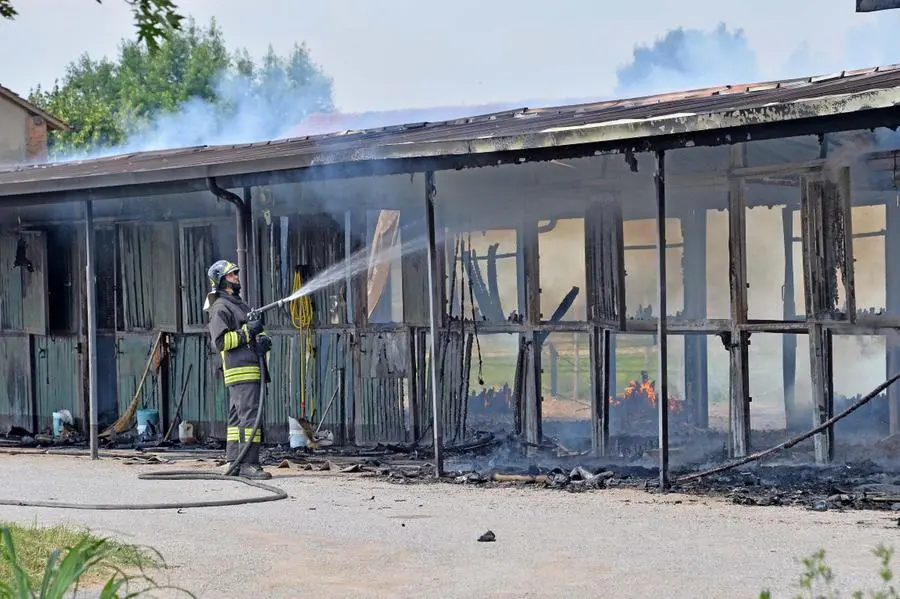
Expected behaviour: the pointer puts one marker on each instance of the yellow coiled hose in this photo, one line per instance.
(301, 319)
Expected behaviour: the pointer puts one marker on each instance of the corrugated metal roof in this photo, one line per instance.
(616, 121)
(52, 121)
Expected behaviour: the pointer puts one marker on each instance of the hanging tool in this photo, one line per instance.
(301, 319)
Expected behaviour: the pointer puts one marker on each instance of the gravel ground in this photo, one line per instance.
(341, 535)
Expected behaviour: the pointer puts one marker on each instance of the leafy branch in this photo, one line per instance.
(154, 19)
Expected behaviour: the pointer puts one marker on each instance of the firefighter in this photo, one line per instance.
(240, 344)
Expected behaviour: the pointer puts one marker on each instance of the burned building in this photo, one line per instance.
(697, 273)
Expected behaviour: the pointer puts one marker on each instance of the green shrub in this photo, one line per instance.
(51, 563)
(817, 579)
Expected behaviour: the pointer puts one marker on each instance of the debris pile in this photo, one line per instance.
(858, 486)
(578, 479)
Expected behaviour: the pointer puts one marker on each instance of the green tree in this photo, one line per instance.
(154, 19)
(189, 91)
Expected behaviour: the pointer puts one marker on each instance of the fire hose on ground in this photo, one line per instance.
(274, 493)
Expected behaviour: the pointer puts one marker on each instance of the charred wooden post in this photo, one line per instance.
(531, 404)
(738, 339)
(788, 341)
(600, 390)
(605, 280)
(662, 400)
(892, 282)
(696, 367)
(827, 237)
(434, 285)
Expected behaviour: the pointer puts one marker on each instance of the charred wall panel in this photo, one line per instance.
(190, 359)
(149, 276)
(57, 379)
(281, 401)
(10, 286)
(16, 405)
(605, 262)
(202, 244)
(381, 411)
(23, 282)
(33, 264)
(133, 351)
(330, 367)
(455, 353)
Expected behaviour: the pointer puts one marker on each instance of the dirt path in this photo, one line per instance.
(349, 536)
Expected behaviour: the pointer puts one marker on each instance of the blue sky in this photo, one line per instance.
(392, 54)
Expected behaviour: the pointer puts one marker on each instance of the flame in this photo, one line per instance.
(646, 388)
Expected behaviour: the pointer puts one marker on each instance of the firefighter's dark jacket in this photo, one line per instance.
(228, 330)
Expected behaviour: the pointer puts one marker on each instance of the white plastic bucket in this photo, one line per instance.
(296, 434)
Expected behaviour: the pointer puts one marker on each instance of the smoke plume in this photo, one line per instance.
(685, 58)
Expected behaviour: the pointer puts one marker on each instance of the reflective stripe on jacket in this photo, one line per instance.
(228, 332)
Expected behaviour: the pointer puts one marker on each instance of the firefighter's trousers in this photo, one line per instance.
(243, 403)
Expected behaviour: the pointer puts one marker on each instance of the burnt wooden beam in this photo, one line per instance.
(738, 339)
(435, 287)
(818, 302)
(828, 263)
(600, 389)
(605, 264)
(531, 404)
(696, 366)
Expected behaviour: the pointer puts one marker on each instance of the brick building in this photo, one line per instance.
(24, 129)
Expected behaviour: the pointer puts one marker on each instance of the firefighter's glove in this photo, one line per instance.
(263, 344)
(254, 327)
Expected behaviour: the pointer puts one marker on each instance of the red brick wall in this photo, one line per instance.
(35, 139)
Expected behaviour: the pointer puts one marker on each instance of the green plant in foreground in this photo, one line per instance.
(817, 578)
(66, 569)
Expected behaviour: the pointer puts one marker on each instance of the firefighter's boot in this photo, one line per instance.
(254, 472)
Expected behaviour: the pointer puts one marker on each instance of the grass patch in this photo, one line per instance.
(34, 544)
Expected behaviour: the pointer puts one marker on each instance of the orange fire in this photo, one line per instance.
(646, 388)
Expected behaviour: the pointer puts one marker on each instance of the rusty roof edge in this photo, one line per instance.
(623, 130)
(633, 129)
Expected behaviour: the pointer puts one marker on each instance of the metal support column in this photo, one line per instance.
(662, 390)
(434, 316)
(91, 327)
